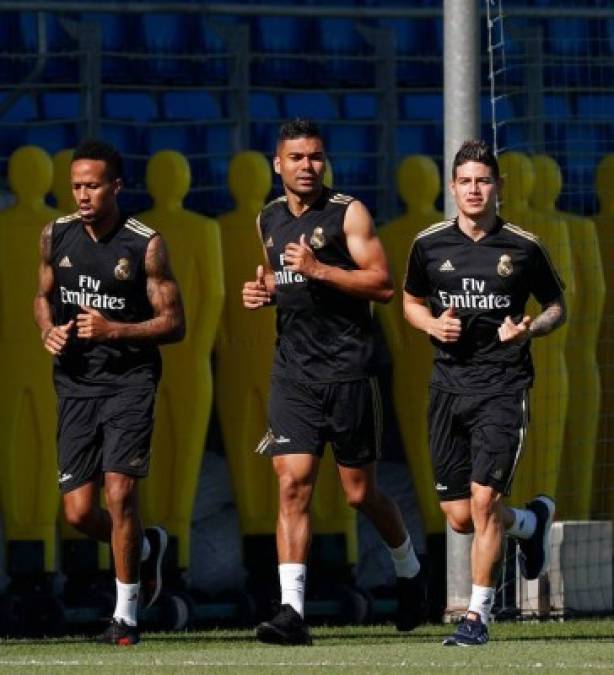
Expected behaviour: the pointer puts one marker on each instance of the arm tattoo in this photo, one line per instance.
(45, 243)
(552, 316)
(163, 292)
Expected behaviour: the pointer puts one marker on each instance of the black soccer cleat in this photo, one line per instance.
(151, 569)
(534, 553)
(119, 633)
(468, 633)
(286, 628)
(411, 596)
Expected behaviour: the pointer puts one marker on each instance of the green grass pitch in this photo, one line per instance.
(562, 648)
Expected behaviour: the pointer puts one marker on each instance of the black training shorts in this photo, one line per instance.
(304, 417)
(476, 438)
(105, 433)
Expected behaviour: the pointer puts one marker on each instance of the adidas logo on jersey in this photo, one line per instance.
(269, 243)
(65, 262)
(447, 266)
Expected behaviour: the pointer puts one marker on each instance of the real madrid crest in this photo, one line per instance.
(122, 269)
(504, 266)
(317, 238)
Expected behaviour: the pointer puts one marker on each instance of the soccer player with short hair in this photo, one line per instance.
(106, 299)
(467, 284)
(324, 265)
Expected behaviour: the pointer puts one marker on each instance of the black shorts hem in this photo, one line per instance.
(359, 463)
(71, 487)
(127, 471)
(454, 497)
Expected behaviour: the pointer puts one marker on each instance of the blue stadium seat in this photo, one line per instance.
(124, 137)
(51, 138)
(312, 105)
(58, 67)
(60, 105)
(418, 139)
(513, 136)
(342, 141)
(420, 58)
(165, 36)
(263, 106)
(422, 107)
(567, 36)
(281, 35)
(360, 106)
(556, 107)
(119, 33)
(595, 107)
(11, 70)
(217, 141)
(23, 110)
(178, 137)
(503, 109)
(191, 105)
(263, 134)
(338, 38)
(209, 39)
(129, 105)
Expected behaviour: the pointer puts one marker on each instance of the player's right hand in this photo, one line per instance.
(55, 338)
(255, 293)
(447, 326)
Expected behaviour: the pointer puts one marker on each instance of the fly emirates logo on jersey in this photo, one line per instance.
(287, 276)
(89, 295)
(474, 296)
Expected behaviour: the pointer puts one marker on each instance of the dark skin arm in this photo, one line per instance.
(54, 338)
(168, 322)
(260, 293)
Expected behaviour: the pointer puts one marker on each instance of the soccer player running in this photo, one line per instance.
(106, 298)
(467, 284)
(324, 266)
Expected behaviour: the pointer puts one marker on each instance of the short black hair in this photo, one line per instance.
(94, 149)
(476, 151)
(298, 128)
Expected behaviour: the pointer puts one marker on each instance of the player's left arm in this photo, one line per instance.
(370, 281)
(553, 315)
(168, 322)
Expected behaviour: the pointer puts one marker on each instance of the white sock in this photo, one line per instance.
(524, 524)
(127, 601)
(145, 549)
(292, 581)
(482, 599)
(404, 559)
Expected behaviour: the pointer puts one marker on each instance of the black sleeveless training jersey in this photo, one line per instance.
(323, 335)
(107, 275)
(485, 280)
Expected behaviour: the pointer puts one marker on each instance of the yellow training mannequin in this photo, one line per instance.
(61, 188)
(539, 469)
(244, 349)
(603, 496)
(29, 490)
(574, 492)
(186, 389)
(419, 185)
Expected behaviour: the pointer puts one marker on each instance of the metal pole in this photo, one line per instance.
(461, 78)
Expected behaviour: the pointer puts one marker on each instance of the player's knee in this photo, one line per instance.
(293, 493)
(120, 496)
(461, 526)
(483, 505)
(358, 497)
(459, 519)
(77, 516)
